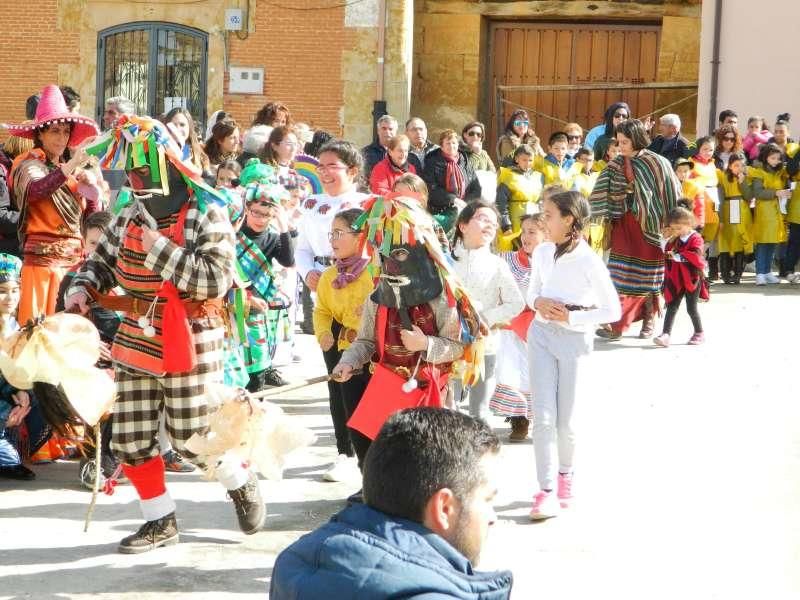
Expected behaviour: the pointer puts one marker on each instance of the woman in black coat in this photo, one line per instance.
(451, 180)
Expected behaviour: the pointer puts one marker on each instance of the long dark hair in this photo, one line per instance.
(198, 156)
(219, 132)
(571, 204)
(266, 115)
(517, 114)
(319, 139)
(276, 136)
(765, 152)
(608, 117)
(734, 157)
(465, 216)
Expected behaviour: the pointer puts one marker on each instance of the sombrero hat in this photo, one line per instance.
(53, 109)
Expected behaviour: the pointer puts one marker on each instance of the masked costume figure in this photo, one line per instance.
(416, 289)
(168, 349)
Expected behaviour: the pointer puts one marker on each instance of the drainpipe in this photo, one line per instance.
(712, 115)
(379, 105)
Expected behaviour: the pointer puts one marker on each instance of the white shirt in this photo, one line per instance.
(318, 212)
(491, 287)
(577, 277)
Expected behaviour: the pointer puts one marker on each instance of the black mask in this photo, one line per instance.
(408, 278)
(151, 194)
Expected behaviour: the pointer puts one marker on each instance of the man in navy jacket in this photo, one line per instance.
(428, 495)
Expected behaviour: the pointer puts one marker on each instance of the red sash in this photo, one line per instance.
(384, 395)
(522, 322)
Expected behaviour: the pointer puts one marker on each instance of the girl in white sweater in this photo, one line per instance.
(571, 292)
(491, 287)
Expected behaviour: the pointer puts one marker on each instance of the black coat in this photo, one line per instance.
(373, 154)
(671, 149)
(439, 199)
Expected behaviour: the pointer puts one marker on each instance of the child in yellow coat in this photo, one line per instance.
(518, 191)
(704, 174)
(736, 222)
(584, 178)
(768, 179)
(341, 292)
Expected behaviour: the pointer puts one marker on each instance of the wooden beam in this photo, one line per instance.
(655, 85)
(562, 9)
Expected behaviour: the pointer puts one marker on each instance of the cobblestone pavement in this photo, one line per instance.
(687, 483)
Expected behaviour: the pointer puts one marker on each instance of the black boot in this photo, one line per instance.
(713, 268)
(725, 268)
(738, 267)
(151, 535)
(250, 508)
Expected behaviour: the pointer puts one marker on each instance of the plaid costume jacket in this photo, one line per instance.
(201, 269)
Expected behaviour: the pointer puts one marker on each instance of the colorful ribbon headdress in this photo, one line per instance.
(10, 268)
(143, 141)
(398, 218)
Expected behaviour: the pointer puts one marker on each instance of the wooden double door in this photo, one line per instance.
(559, 54)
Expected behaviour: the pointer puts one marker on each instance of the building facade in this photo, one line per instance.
(330, 61)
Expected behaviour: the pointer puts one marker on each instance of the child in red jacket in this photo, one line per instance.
(684, 274)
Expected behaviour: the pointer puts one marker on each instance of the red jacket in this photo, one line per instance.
(685, 275)
(384, 174)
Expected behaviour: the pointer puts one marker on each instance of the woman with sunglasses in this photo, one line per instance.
(574, 133)
(518, 131)
(729, 142)
(617, 113)
(472, 137)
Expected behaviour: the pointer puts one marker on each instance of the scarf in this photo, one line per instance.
(650, 181)
(395, 167)
(453, 177)
(348, 270)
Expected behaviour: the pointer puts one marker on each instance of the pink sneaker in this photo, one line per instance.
(662, 340)
(545, 506)
(565, 489)
(697, 339)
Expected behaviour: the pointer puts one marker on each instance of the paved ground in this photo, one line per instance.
(688, 487)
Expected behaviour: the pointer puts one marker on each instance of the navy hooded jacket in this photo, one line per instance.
(364, 554)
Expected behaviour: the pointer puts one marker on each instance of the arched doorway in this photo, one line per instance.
(156, 65)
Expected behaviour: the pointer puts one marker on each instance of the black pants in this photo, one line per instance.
(343, 399)
(691, 308)
(792, 249)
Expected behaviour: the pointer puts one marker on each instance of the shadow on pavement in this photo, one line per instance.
(143, 578)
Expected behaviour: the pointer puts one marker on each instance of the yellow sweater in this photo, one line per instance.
(343, 305)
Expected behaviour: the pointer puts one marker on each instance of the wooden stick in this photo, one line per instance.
(98, 436)
(296, 386)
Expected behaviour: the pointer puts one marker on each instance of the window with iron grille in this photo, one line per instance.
(156, 65)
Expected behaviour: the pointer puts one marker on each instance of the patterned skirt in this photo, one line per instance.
(512, 394)
(636, 266)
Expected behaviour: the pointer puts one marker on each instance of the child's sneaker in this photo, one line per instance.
(761, 279)
(662, 340)
(545, 506)
(772, 278)
(565, 489)
(697, 339)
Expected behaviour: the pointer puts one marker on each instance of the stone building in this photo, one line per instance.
(441, 59)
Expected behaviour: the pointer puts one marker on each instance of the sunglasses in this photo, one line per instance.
(521, 123)
(573, 137)
(620, 115)
(729, 138)
(477, 134)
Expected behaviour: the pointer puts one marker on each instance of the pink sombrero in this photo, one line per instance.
(53, 109)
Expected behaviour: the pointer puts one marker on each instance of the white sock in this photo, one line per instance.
(155, 508)
(231, 473)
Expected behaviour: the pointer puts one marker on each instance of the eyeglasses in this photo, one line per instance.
(729, 138)
(338, 234)
(573, 137)
(520, 123)
(476, 133)
(620, 115)
(290, 144)
(333, 167)
(483, 220)
(259, 215)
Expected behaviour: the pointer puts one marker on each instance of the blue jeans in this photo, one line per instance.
(38, 433)
(764, 256)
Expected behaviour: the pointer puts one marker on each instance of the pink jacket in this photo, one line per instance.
(751, 142)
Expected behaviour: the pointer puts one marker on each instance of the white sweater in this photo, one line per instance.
(491, 286)
(577, 277)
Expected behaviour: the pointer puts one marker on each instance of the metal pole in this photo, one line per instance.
(712, 110)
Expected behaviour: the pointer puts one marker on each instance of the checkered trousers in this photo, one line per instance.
(182, 397)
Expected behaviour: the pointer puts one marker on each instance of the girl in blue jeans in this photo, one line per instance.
(768, 179)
